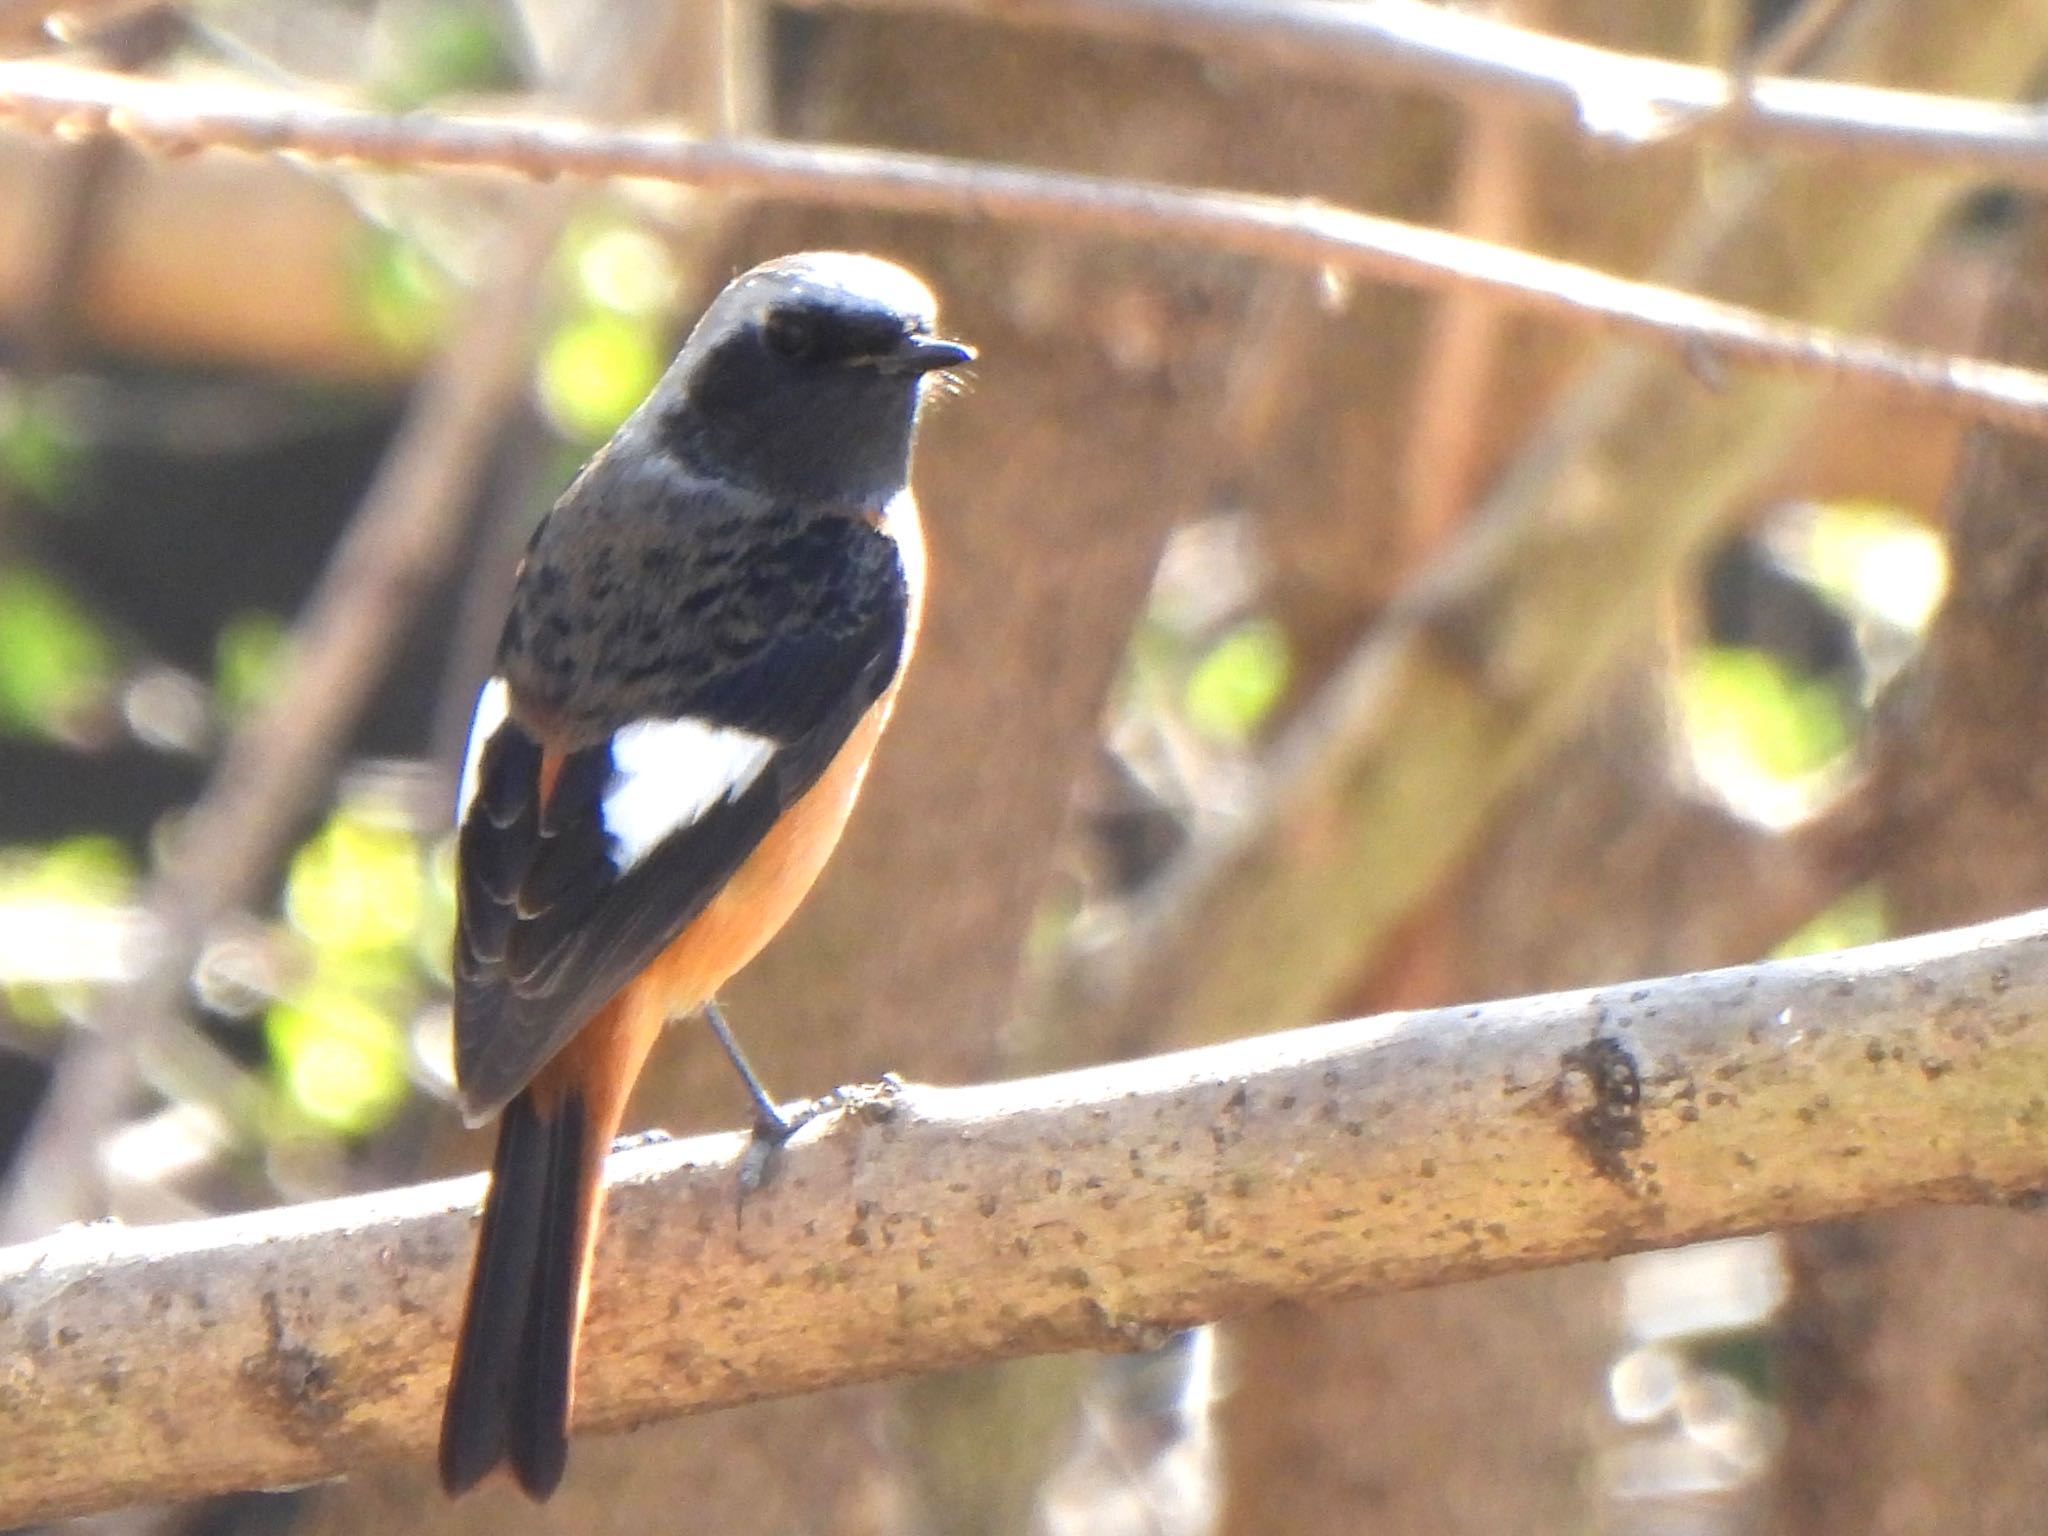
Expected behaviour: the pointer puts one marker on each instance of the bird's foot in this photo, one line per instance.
(775, 1124)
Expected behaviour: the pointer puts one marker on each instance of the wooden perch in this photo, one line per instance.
(927, 1227)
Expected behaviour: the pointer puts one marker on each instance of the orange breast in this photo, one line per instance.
(604, 1056)
(766, 890)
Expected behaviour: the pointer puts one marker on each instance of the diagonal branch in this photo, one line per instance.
(1379, 785)
(172, 118)
(273, 770)
(926, 1227)
(400, 543)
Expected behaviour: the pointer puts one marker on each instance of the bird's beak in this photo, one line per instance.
(921, 354)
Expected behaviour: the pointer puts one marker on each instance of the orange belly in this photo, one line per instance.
(605, 1056)
(766, 890)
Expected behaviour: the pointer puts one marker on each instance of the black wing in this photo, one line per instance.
(793, 645)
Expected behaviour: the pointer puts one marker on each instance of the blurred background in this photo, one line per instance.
(1736, 667)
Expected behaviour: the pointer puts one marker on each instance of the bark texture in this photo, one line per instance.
(1093, 1210)
(1389, 1414)
(1916, 1347)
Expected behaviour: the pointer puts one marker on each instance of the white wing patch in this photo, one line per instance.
(493, 704)
(668, 773)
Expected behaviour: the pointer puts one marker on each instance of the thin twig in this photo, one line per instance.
(1622, 99)
(172, 118)
(1795, 40)
(926, 1227)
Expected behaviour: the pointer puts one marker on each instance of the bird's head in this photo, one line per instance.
(805, 376)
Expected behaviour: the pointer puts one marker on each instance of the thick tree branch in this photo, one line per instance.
(1089, 1210)
(172, 118)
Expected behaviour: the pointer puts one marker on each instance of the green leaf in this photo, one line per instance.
(1858, 917)
(445, 48)
(1747, 712)
(625, 269)
(1235, 686)
(54, 657)
(356, 886)
(37, 456)
(339, 1058)
(246, 654)
(594, 370)
(402, 298)
(1875, 559)
(91, 869)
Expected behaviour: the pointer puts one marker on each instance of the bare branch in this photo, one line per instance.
(1622, 99)
(172, 118)
(1090, 1210)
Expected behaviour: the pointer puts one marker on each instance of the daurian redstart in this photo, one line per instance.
(704, 643)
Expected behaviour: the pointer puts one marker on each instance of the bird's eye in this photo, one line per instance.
(790, 333)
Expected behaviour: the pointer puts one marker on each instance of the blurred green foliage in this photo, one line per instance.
(623, 268)
(1237, 682)
(38, 457)
(90, 870)
(246, 653)
(55, 659)
(402, 296)
(445, 48)
(1857, 918)
(1748, 710)
(356, 886)
(363, 896)
(1878, 561)
(339, 1054)
(594, 369)
(611, 344)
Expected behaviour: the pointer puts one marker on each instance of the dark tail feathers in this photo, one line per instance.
(508, 1398)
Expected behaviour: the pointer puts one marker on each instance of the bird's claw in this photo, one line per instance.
(774, 1125)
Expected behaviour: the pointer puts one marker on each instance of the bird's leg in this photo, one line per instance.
(770, 1123)
(773, 1125)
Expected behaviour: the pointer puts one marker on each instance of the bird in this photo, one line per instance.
(703, 645)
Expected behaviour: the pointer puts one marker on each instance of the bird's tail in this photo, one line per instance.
(509, 1395)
